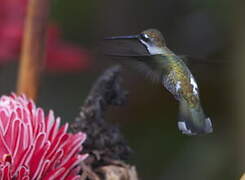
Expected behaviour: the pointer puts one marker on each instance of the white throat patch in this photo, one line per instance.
(153, 50)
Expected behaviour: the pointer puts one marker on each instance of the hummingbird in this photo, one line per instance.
(154, 58)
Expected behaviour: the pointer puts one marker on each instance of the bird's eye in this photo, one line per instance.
(144, 37)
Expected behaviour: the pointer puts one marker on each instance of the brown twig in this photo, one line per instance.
(33, 47)
(105, 143)
(104, 139)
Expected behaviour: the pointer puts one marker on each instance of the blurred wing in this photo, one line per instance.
(190, 60)
(200, 66)
(121, 48)
(147, 66)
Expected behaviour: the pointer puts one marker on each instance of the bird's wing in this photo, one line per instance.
(122, 48)
(191, 60)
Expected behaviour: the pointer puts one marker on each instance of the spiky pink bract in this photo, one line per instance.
(32, 146)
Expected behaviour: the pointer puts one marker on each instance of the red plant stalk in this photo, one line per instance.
(33, 48)
(61, 56)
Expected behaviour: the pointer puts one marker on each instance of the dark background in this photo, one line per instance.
(208, 29)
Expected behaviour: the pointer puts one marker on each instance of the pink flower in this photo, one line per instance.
(64, 57)
(61, 56)
(33, 146)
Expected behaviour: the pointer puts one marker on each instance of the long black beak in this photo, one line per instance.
(122, 37)
(128, 46)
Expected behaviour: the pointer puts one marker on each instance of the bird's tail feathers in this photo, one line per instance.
(192, 121)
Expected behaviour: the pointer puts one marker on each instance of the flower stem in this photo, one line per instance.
(33, 48)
